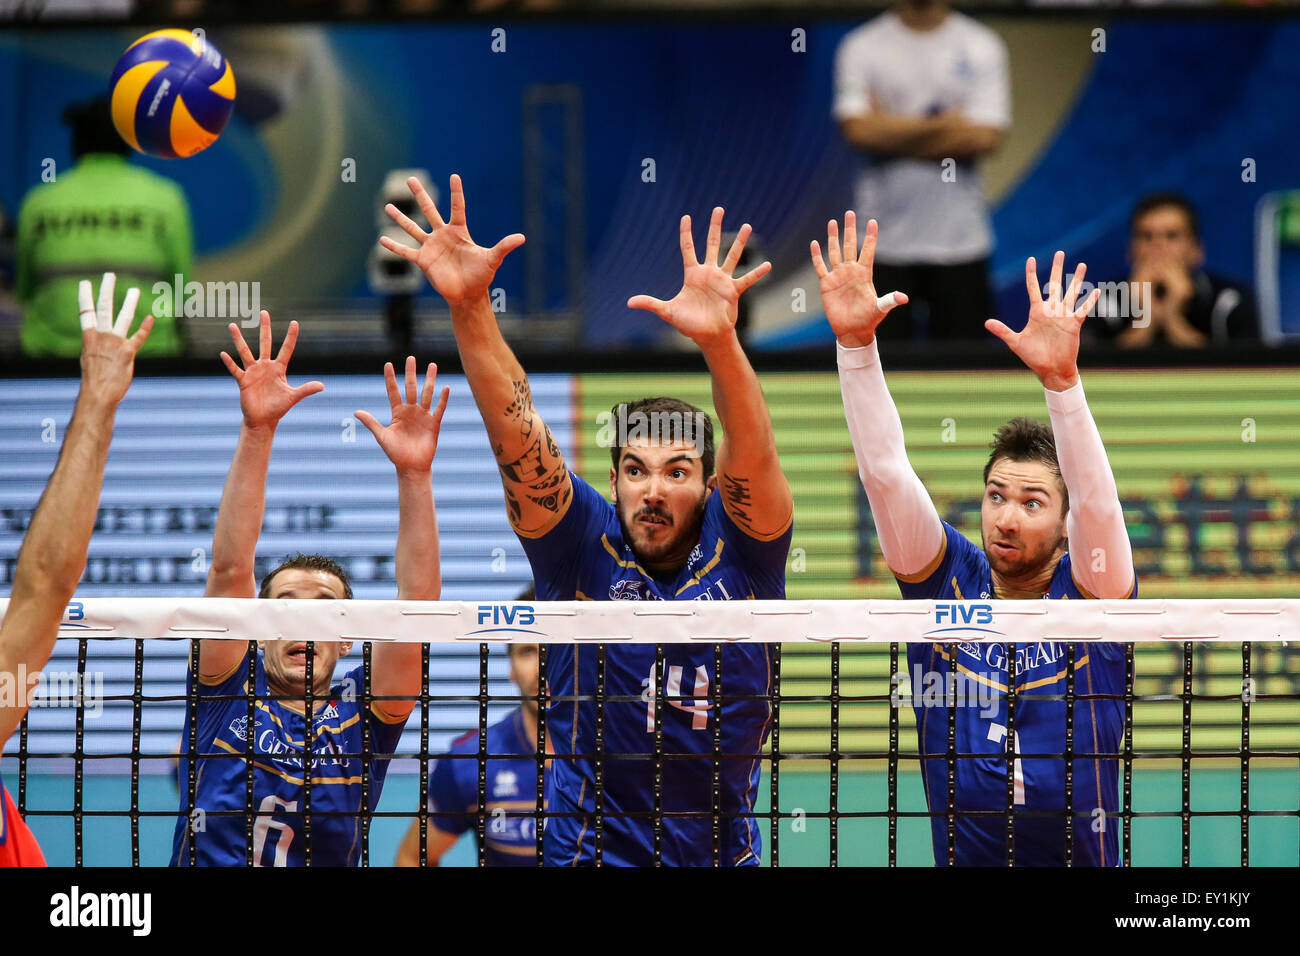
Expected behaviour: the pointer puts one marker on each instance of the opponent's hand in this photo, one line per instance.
(411, 441)
(705, 309)
(107, 355)
(1049, 344)
(264, 393)
(848, 291)
(460, 269)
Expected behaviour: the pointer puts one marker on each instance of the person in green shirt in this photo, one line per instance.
(103, 215)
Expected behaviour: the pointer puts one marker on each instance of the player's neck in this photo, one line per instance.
(1030, 586)
(293, 698)
(922, 15)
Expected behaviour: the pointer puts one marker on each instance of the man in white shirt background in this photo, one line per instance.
(923, 92)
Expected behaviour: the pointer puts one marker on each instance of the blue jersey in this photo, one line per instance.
(278, 745)
(978, 678)
(584, 557)
(510, 799)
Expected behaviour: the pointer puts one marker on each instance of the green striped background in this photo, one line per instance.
(1161, 427)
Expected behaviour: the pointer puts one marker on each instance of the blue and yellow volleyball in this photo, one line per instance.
(172, 94)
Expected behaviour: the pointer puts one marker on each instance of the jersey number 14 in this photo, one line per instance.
(697, 708)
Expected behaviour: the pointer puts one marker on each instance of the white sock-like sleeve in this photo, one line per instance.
(1101, 556)
(911, 534)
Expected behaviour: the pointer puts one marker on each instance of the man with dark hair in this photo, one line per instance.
(276, 741)
(509, 780)
(676, 530)
(53, 554)
(101, 215)
(1171, 296)
(1042, 487)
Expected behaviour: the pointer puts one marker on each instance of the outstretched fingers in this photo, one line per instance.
(867, 257)
(264, 336)
(442, 404)
(457, 201)
(752, 276)
(425, 202)
(818, 263)
(833, 243)
(395, 247)
(648, 302)
(687, 242)
(1031, 282)
(308, 388)
(850, 236)
(390, 383)
(124, 317)
(1002, 331)
(506, 246)
(430, 376)
(737, 249)
(104, 307)
(714, 240)
(1076, 284)
(371, 423)
(241, 346)
(411, 397)
(289, 344)
(407, 224)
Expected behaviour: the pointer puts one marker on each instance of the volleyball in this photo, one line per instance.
(172, 93)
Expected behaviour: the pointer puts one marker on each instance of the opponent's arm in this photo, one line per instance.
(53, 553)
(1102, 554)
(754, 490)
(264, 398)
(410, 442)
(436, 844)
(533, 471)
(907, 523)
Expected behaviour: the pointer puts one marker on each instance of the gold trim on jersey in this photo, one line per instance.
(276, 771)
(1020, 688)
(582, 793)
(630, 565)
(929, 569)
(512, 850)
(717, 556)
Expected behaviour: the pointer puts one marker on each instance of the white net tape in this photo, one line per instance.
(876, 621)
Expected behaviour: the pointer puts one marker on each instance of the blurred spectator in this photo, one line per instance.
(1171, 297)
(924, 91)
(102, 215)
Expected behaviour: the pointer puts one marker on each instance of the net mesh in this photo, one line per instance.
(1208, 762)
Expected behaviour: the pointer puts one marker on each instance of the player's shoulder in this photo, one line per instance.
(982, 37)
(861, 38)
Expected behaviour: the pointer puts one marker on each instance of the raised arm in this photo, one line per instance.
(907, 524)
(1102, 556)
(264, 398)
(533, 471)
(410, 442)
(53, 553)
(754, 490)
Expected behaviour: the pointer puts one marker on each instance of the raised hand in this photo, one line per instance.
(107, 355)
(460, 269)
(411, 441)
(1049, 344)
(264, 393)
(848, 291)
(705, 308)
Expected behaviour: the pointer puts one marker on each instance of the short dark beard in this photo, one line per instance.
(690, 534)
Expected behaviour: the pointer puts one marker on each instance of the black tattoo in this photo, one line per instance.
(528, 467)
(512, 503)
(550, 502)
(551, 446)
(521, 408)
(555, 479)
(735, 491)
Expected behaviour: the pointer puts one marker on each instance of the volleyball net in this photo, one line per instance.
(1204, 761)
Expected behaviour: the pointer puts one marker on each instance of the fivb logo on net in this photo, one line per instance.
(208, 300)
(620, 428)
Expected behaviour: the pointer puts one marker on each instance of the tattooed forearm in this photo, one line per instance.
(735, 492)
(521, 408)
(512, 503)
(554, 501)
(527, 468)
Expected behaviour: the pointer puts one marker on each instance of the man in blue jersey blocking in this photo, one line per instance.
(509, 802)
(283, 829)
(1043, 487)
(679, 528)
